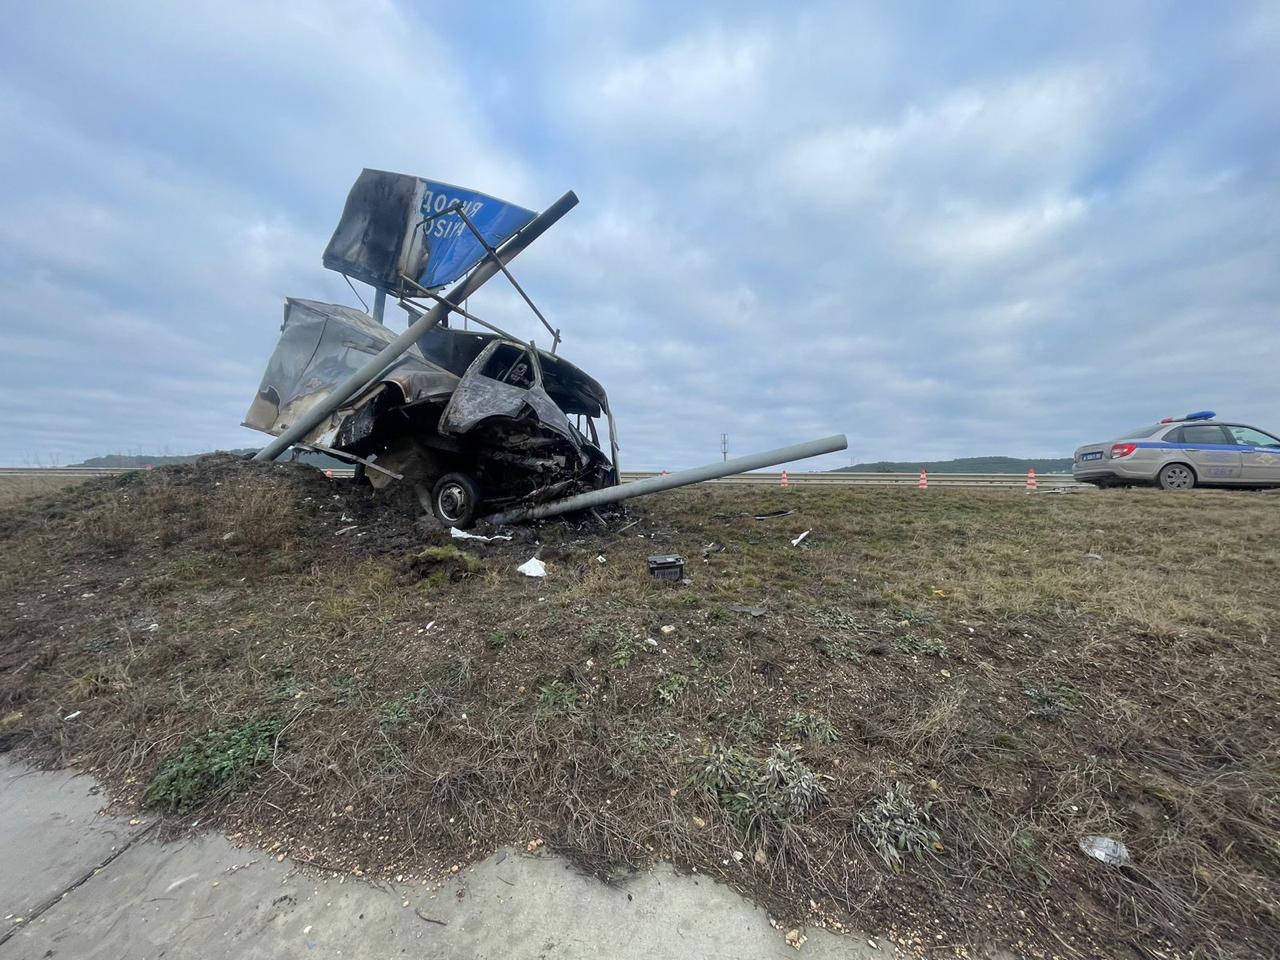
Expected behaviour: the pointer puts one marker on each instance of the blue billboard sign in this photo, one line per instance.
(395, 226)
(451, 248)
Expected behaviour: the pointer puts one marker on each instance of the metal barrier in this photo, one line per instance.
(1007, 481)
(1011, 481)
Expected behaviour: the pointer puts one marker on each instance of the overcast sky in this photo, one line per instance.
(943, 229)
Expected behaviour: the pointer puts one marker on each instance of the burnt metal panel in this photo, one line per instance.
(320, 345)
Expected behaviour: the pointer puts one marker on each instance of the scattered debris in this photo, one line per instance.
(796, 542)
(340, 532)
(667, 630)
(668, 567)
(463, 535)
(73, 715)
(1111, 852)
(750, 611)
(714, 546)
(533, 567)
(1095, 557)
(795, 938)
(534, 844)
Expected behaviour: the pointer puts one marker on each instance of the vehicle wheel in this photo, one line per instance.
(1177, 476)
(455, 499)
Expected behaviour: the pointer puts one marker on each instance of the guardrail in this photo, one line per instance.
(1045, 481)
(65, 471)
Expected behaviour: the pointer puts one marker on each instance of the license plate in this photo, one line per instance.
(1091, 456)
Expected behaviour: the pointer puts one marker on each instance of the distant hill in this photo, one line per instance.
(131, 460)
(964, 465)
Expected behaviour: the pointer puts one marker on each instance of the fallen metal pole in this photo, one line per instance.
(637, 488)
(392, 351)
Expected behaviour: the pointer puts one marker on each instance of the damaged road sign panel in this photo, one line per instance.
(395, 225)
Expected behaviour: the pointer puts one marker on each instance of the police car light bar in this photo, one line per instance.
(1201, 415)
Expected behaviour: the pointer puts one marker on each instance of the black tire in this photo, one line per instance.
(455, 499)
(1177, 476)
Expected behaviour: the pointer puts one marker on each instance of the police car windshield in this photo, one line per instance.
(1143, 431)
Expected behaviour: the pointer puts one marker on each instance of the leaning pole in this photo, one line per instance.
(681, 478)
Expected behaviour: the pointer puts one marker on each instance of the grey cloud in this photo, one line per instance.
(944, 235)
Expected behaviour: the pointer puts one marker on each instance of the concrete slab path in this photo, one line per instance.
(78, 885)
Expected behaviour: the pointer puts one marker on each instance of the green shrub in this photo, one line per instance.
(219, 761)
(756, 793)
(897, 826)
(803, 727)
(557, 697)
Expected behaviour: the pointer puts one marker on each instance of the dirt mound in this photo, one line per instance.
(906, 723)
(252, 506)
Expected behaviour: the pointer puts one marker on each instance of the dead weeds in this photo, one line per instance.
(942, 693)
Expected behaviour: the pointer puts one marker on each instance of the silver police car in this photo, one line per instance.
(1181, 453)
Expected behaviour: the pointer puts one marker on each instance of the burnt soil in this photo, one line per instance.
(903, 725)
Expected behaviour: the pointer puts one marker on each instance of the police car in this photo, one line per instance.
(1181, 453)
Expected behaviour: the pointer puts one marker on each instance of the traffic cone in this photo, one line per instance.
(1031, 480)
(924, 479)
(784, 482)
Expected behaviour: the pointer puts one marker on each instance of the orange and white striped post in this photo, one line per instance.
(924, 479)
(784, 482)
(1031, 480)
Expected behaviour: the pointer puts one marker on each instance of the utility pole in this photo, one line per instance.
(724, 446)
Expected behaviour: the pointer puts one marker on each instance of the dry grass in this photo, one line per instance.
(14, 489)
(943, 694)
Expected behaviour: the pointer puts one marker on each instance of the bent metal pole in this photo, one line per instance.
(392, 351)
(712, 471)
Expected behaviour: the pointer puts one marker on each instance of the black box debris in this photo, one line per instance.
(668, 566)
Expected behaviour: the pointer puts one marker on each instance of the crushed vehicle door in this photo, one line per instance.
(505, 380)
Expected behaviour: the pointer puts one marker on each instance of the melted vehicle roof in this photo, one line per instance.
(573, 390)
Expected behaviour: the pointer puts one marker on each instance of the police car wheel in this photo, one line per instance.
(1177, 476)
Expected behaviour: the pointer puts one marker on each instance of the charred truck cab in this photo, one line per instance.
(477, 421)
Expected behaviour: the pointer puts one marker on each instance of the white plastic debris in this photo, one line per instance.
(601, 559)
(1111, 852)
(463, 535)
(533, 567)
(73, 715)
(796, 541)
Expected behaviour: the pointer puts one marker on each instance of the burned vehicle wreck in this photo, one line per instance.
(481, 422)
(471, 418)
